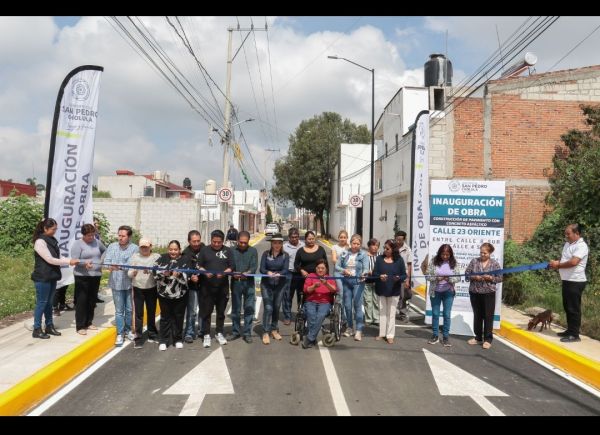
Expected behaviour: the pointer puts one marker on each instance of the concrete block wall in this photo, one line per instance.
(160, 219)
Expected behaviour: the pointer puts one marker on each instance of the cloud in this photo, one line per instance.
(145, 125)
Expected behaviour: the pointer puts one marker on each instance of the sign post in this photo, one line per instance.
(225, 194)
(356, 201)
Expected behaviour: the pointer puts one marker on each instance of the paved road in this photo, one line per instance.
(369, 377)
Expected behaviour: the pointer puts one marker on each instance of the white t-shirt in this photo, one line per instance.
(577, 249)
(339, 250)
(352, 263)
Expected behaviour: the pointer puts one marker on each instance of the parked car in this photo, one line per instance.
(271, 229)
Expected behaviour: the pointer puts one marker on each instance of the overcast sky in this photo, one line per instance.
(145, 125)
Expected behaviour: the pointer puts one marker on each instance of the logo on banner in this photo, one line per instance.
(356, 201)
(454, 186)
(225, 194)
(80, 90)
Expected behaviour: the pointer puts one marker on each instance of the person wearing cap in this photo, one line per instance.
(144, 292)
(275, 263)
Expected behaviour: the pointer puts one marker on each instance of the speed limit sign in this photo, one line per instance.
(356, 201)
(225, 194)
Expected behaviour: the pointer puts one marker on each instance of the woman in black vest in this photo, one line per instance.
(46, 273)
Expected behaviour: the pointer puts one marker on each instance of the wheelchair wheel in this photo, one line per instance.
(329, 340)
(336, 319)
(295, 338)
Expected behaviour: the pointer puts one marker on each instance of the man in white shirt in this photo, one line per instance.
(571, 267)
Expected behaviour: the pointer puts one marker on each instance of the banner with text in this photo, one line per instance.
(69, 180)
(419, 221)
(465, 214)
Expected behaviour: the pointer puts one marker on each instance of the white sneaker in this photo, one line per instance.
(179, 345)
(119, 341)
(206, 341)
(348, 333)
(130, 336)
(162, 346)
(221, 339)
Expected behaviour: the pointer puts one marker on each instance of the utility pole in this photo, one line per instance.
(263, 215)
(224, 220)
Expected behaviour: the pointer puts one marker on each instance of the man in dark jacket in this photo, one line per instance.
(215, 259)
(191, 256)
(246, 261)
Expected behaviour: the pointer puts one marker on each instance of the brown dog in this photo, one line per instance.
(544, 317)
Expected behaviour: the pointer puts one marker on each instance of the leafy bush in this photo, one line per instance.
(18, 217)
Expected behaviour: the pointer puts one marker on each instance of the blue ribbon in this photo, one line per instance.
(516, 269)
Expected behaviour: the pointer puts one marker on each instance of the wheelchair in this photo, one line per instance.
(330, 335)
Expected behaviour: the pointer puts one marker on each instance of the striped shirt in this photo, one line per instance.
(118, 279)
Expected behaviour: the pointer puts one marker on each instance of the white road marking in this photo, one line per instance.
(337, 394)
(211, 376)
(454, 381)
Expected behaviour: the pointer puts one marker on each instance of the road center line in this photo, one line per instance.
(337, 394)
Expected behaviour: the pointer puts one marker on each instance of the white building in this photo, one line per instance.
(126, 184)
(352, 177)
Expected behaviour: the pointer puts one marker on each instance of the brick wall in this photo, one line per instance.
(528, 209)
(525, 134)
(468, 138)
(515, 131)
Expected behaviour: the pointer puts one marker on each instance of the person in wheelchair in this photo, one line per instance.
(318, 299)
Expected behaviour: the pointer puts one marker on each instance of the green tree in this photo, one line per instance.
(304, 176)
(18, 217)
(269, 217)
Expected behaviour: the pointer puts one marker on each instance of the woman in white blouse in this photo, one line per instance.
(46, 273)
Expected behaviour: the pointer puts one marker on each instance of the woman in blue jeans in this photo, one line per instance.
(46, 273)
(275, 263)
(353, 265)
(441, 291)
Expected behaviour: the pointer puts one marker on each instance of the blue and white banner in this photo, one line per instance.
(465, 214)
(69, 180)
(419, 222)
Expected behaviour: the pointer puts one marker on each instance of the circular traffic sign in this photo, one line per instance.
(356, 201)
(225, 194)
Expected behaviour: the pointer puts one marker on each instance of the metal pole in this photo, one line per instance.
(372, 153)
(225, 206)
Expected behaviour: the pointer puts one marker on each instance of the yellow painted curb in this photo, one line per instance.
(327, 242)
(576, 365)
(38, 387)
(28, 393)
(257, 239)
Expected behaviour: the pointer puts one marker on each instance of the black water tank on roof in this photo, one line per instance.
(438, 71)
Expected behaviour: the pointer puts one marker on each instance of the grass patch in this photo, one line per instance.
(544, 289)
(17, 293)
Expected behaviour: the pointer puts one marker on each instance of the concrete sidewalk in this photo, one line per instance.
(33, 369)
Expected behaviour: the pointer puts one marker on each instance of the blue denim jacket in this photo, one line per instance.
(362, 262)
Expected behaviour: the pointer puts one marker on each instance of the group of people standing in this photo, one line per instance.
(372, 285)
